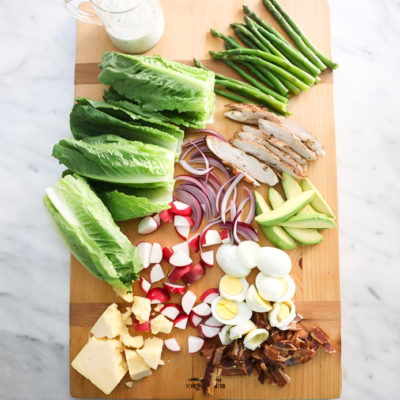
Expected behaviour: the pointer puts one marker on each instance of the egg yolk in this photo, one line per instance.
(231, 285)
(284, 285)
(261, 301)
(226, 309)
(283, 312)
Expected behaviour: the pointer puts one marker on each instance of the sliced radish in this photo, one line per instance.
(195, 344)
(226, 237)
(183, 247)
(188, 300)
(171, 310)
(181, 321)
(174, 288)
(167, 253)
(157, 219)
(144, 284)
(180, 220)
(156, 253)
(147, 225)
(210, 237)
(180, 208)
(202, 310)
(209, 331)
(177, 272)
(179, 259)
(208, 258)
(183, 231)
(195, 273)
(172, 345)
(156, 273)
(213, 322)
(194, 320)
(158, 295)
(144, 249)
(194, 243)
(145, 327)
(166, 216)
(209, 295)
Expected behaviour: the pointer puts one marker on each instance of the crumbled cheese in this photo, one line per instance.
(101, 362)
(141, 308)
(138, 369)
(129, 384)
(151, 352)
(124, 294)
(161, 324)
(110, 323)
(129, 322)
(158, 307)
(130, 341)
(127, 313)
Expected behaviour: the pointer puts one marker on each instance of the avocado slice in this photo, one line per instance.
(286, 210)
(318, 202)
(313, 221)
(275, 234)
(303, 236)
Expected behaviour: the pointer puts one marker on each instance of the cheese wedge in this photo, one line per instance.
(138, 369)
(141, 307)
(131, 341)
(110, 324)
(151, 351)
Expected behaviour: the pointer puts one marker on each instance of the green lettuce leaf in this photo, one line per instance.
(110, 158)
(87, 227)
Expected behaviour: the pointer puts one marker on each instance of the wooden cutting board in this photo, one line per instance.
(315, 268)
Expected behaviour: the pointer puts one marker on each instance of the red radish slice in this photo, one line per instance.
(172, 345)
(226, 237)
(147, 225)
(174, 288)
(183, 231)
(181, 321)
(188, 300)
(180, 208)
(208, 331)
(144, 284)
(202, 310)
(194, 320)
(171, 311)
(166, 216)
(179, 259)
(156, 273)
(157, 219)
(144, 249)
(156, 253)
(210, 237)
(145, 327)
(209, 295)
(180, 220)
(167, 253)
(208, 258)
(195, 344)
(158, 295)
(183, 247)
(213, 322)
(195, 273)
(194, 243)
(177, 272)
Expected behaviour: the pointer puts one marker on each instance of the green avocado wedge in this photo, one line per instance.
(275, 234)
(286, 210)
(303, 236)
(318, 202)
(313, 221)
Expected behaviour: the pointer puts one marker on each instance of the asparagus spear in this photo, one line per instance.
(294, 36)
(232, 96)
(323, 58)
(245, 31)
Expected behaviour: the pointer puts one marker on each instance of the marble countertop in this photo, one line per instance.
(37, 43)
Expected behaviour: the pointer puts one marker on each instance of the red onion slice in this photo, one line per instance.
(228, 194)
(252, 210)
(210, 132)
(192, 170)
(234, 226)
(232, 210)
(201, 196)
(191, 200)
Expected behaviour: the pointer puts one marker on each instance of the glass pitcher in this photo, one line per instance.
(133, 26)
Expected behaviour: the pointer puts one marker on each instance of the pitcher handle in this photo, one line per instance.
(73, 7)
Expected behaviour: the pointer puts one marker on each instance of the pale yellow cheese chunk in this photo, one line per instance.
(110, 323)
(124, 294)
(129, 321)
(141, 307)
(131, 341)
(151, 351)
(101, 362)
(138, 369)
(161, 324)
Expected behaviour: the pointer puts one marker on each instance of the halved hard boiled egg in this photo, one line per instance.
(247, 253)
(255, 338)
(275, 289)
(229, 262)
(238, 331)
(256, 302)
(273, 262)
(229, 312)
(233, 288)
(282, 314)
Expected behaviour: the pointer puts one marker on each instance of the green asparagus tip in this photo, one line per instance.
(335, 66)
(245, 9)
(214, 32)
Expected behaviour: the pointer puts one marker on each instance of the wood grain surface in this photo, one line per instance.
(315, 268)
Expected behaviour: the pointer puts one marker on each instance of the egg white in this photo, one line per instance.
(273, 315)
(238, 331)
(228, 261)
(224, 336)
(253, 304)
(255, 338)
(248, 253)
(244, 313)
(234, 297)
(270, 288)
(274, 262)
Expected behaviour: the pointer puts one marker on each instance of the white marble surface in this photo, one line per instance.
(37, 42)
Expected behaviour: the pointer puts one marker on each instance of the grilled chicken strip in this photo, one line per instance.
(238, 159)
(263, 154)
(251, 113)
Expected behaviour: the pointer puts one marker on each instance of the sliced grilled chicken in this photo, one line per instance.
(261, 139)
(251, 113)
(288, 137)
(238, 159)
(263, 154)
